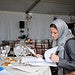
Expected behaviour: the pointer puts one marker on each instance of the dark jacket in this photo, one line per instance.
(73, 31)
(68, 63)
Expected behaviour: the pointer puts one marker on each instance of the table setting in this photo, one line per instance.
(25, 68)
(26, 65)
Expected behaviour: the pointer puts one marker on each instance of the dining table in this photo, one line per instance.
(29, 70)
(28, 65)
(25, 65)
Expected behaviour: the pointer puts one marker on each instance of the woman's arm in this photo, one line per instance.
(66, 63)
(69, 62)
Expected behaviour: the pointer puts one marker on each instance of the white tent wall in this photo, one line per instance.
(9, 25)
(38, 28)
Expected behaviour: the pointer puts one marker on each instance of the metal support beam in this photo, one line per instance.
(32, 6)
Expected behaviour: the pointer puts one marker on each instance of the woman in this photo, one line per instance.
(60, 34)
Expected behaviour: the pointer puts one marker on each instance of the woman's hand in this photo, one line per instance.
(39, 55)
(54, 57)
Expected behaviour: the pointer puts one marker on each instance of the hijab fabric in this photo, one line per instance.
(64, 33)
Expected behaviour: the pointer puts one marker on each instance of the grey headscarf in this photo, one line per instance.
(63, 31)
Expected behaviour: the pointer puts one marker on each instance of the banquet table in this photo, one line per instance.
(30, 70)
(40, 68)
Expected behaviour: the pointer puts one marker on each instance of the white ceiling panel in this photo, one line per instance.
(39, 6)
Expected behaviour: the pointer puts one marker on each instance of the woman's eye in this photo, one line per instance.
(55, 32)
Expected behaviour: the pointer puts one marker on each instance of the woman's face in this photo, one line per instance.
(54, 33)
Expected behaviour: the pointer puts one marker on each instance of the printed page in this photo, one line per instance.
(49, 52)
(31, 50)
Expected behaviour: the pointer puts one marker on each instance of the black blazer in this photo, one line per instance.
(73, 31)
(68, 63)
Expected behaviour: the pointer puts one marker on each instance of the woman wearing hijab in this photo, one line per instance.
(60, 34)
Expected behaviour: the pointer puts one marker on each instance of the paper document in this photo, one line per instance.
(31, 50)
(37, 61)
(49, 52)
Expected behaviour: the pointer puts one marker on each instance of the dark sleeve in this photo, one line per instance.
(69, 64)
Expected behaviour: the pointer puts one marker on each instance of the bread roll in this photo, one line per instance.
(13, 61)
(5, 63)
(8, 58)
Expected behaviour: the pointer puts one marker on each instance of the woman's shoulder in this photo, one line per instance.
(70, 43)
(71, 39)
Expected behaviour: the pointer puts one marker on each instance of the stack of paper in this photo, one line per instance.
(49, 52)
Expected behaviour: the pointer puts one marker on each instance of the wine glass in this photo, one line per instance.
(7, 48)
(2, 53)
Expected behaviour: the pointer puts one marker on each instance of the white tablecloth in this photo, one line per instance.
(39, 67)
(32, 70)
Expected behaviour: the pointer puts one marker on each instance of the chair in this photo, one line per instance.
(39, 47)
